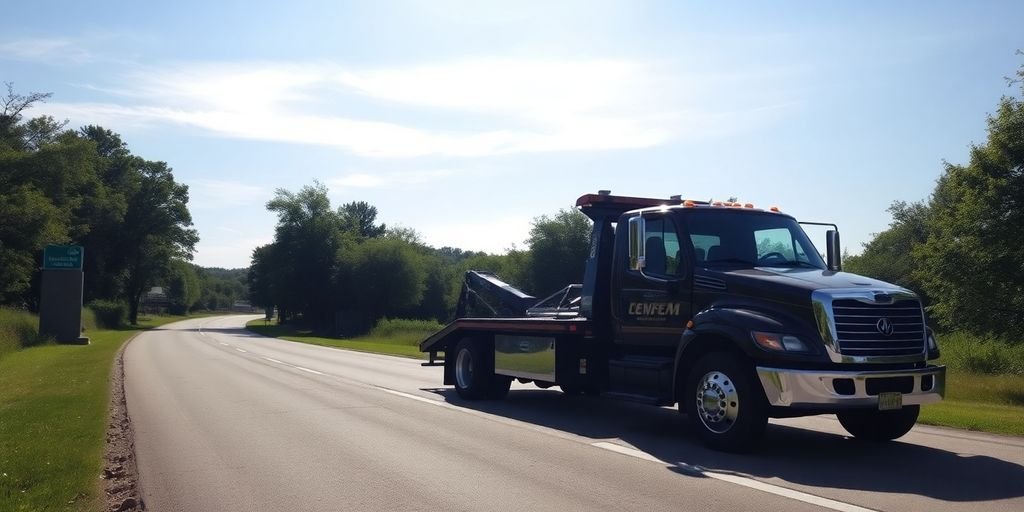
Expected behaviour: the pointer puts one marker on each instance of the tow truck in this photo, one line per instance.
(725, 309)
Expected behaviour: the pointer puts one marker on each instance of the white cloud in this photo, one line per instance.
(228, 254)
(517, 106)
(494, 236)
(389, 179)
(45, 49)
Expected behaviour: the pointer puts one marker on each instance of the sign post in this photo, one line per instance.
(60, 308)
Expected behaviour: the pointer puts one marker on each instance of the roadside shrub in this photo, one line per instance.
(981, 354)
(403, 330)
(109, 314)
(18, 329)
(89, 320)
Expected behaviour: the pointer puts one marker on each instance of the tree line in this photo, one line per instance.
(84, 187)
(339, 270)
(963, 247)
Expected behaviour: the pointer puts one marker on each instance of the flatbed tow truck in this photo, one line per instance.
(725, 309)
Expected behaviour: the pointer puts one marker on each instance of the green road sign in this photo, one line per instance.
(62, 257)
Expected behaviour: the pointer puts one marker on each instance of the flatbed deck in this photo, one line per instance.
(526, 325)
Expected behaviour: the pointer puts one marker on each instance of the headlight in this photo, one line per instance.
(779, 342)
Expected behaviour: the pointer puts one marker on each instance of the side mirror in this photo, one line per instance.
(832, 252)
(637, 257)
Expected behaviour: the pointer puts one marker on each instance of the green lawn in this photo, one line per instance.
(400, 344)
(989, 403)
(53, 416)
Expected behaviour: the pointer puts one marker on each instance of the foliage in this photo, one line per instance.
(359, 217)
(303, 258)
(559, 247)
(85, 188)
(382, 277)
(220, 288)
(974, 253)
(973, 353)
(182, 287)
(964, 248)
(387, 327)
(889, 255)
(109, 314)
(18, 329)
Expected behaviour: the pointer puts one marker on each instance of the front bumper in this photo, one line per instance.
(832, 389)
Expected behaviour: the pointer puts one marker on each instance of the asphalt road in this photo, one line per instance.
(227, 420)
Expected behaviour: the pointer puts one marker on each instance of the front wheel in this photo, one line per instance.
(474, 373)
(878, 426)
(724, 403)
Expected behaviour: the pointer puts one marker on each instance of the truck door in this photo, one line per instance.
(652, 305)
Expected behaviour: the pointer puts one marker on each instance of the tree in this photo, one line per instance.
(359, 217)
(183, 287)
(156, 229)
(383, 277)
(889, 255)
(12, 106)
(307, 241)
(559, 246)
(28, 221)
(972, 259)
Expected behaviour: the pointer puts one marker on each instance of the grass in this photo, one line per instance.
(988, 403)
(53, 416)
(393, 337)
(18, 329)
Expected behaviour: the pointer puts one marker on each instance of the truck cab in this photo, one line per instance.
(725, 309)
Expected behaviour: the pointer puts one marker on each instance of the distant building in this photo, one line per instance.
(154, 301)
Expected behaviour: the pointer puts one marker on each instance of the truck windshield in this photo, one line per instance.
(752, 239)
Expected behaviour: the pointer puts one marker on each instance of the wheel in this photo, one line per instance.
(474, 373)
(877, 426)
(725, 403)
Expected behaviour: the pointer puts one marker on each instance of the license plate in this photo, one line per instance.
(889, 401)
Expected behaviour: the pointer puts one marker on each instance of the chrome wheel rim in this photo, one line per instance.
(718, 404)
(464, 369)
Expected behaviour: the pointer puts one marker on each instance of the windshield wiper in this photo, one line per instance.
(793, 264)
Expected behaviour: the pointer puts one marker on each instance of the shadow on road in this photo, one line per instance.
(796, 455)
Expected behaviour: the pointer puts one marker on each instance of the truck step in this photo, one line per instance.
(434, 361)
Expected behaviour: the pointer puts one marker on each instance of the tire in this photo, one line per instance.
(879, 426)
(474, 373)
(725, 403)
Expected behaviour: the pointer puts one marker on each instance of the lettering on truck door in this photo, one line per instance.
(652, 306)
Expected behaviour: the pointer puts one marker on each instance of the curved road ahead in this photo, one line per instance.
(227, 420)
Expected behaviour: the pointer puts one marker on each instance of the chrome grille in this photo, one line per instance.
(857, 331)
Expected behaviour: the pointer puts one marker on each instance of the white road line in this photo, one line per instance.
(225, 344)
(240, 350)
(307, 370)
(739, 480)
(272, 360)
(632, 452)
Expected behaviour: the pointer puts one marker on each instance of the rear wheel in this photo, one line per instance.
(724, 403)
(474, 373)
(877, 426)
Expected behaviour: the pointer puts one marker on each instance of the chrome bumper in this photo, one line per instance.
(817, 388)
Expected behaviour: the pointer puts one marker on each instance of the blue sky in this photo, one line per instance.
(464, 120)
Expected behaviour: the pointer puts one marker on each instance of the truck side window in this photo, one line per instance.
(661, 245)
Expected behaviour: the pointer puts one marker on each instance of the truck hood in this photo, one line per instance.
(793, 285)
